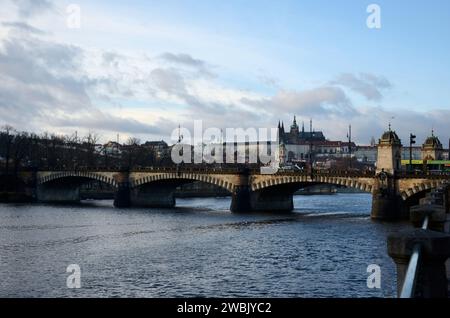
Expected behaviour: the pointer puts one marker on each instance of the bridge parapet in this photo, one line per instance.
(441, 175)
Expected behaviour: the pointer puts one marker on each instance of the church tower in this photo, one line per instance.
(281, 132)
(294, 127)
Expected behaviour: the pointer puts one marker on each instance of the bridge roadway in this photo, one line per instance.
(251, 190)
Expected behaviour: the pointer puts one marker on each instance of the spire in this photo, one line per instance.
(279, 125)
(282, 126)
(432, 132)
(303, 126)
(295, 121)
(390, 122)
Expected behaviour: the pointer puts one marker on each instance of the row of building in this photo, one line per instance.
(297, 146)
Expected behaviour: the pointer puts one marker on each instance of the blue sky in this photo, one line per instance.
(315, 40)
(176, 61)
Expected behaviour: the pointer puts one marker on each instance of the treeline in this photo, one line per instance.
(24, 150)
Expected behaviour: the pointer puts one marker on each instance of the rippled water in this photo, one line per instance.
(322, 249)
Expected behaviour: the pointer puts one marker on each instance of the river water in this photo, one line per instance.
(198, 249)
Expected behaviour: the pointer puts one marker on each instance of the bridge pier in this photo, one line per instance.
(122, 196)
(280, 199)
(49, 192)
(272, 199)
(243, 200)
(240, 200)
(387, 204)
(387, 207)
(153, 196)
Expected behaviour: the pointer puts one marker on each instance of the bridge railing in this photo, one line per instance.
(214, 169)
(79, 168)
(193, 169)
(423, 174)
(333, 173)
(409, 284)
(420, 253)
(253, 170)
(346, 173)
(145, 169)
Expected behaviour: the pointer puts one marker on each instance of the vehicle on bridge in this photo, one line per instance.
(432, 166)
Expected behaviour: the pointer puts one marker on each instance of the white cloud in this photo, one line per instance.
(368, 85)
(48, 82)
(320, 101)
(30, 8)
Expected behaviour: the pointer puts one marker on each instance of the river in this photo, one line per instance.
(198, 249)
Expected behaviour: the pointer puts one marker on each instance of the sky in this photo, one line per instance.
(141, 68)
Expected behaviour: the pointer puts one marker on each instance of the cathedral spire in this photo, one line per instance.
(295, 121)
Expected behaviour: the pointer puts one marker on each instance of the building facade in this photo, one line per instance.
(298, 145)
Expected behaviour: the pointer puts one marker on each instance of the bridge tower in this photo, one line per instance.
(432, 148)
(386, 203)
(389, 153)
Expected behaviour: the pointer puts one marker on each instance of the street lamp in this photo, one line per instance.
(310, 146)
(412, 141)
(349, 136)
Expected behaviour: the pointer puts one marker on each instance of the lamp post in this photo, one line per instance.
(412, 141)
(310, 146)
(350, 145)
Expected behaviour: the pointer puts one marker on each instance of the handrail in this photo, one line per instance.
(425, 223)
(410, 282)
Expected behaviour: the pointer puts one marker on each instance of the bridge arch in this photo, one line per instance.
(421, 187)
(60, 175)
(356, 183)
(217, 180)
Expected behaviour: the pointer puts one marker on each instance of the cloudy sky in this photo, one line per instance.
(140, 68)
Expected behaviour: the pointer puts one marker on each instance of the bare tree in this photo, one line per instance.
(7, 140)
(90, 141)
(131, 151)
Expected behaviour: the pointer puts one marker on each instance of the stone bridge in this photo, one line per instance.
(251, 191)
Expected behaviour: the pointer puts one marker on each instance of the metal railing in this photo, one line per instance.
(410, 282)
(423, 174)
